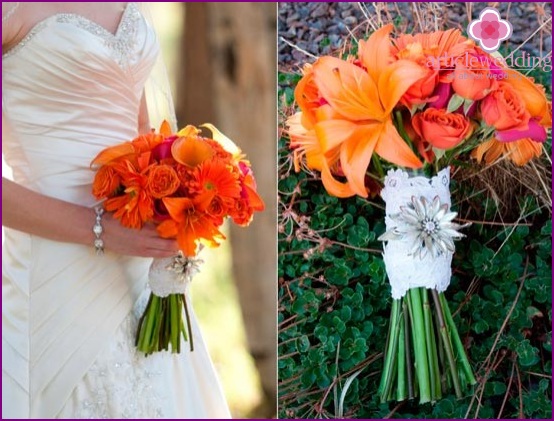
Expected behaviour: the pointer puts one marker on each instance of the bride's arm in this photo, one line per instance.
(31, 212)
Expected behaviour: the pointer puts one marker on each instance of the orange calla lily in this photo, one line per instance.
(191, 151)
(223, 140)
(364, 100)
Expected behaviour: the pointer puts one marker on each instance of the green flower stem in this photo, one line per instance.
(150, 322)
(390, 352)
(401, 130)
(162, 325)
(431, 347)
(408, 353)
(378, 167)
(189, 326)
(447, 344)
(175, 323)
(401, 380)
(445, 380)
(462, 357)
(420, 346)
(435, 358)
(141, 321)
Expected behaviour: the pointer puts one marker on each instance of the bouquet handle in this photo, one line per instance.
(161, 326)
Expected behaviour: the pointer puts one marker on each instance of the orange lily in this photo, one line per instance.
(364, 100)
(190, 223)
(141, 144)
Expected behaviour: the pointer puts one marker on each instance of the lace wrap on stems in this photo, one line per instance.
(408, 264)
(172, 275)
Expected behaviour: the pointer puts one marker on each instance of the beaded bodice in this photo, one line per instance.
(71, 88)
(121, 43)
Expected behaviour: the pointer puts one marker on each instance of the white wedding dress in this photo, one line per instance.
(69, 90)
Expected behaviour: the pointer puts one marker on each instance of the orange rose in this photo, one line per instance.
(162, 181)
(421, 91)
(504, 109)
(106, 182)
(532, 95)
(472, 78)
(441, 129)
(217, 209)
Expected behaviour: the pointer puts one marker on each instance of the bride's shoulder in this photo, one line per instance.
(10, 22)
(18, 18)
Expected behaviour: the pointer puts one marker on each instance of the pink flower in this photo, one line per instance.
(489, 29)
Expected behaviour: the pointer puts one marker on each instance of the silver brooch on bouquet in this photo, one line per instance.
(428, 225)
(185, 267)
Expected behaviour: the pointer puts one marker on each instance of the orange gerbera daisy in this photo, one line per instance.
(520, 152)
(215, 177)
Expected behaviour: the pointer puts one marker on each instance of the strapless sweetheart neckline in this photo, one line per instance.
(80, 21)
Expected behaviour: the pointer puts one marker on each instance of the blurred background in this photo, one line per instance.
(221, 60)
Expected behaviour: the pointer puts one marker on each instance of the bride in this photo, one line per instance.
(73, 77)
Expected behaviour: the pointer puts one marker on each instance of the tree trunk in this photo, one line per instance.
(230, 80)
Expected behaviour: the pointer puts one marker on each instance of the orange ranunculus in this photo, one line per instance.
(106, 182)
(520, 152)
(218, 150)
(242, 213)
(504, 109)
(162, 181)
(189, 224)
(441, 129)
(472, 78)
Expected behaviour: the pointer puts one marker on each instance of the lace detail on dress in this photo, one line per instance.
(122, 44)
(123, 382)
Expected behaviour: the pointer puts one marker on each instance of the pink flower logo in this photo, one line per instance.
(490, 29)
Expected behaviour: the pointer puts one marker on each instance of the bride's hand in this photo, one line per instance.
(145, 242)
(31, 212)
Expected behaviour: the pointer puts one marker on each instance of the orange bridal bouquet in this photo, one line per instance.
(415, 105)
(187, 185)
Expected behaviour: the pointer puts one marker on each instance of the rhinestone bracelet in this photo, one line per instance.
(98, 230)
